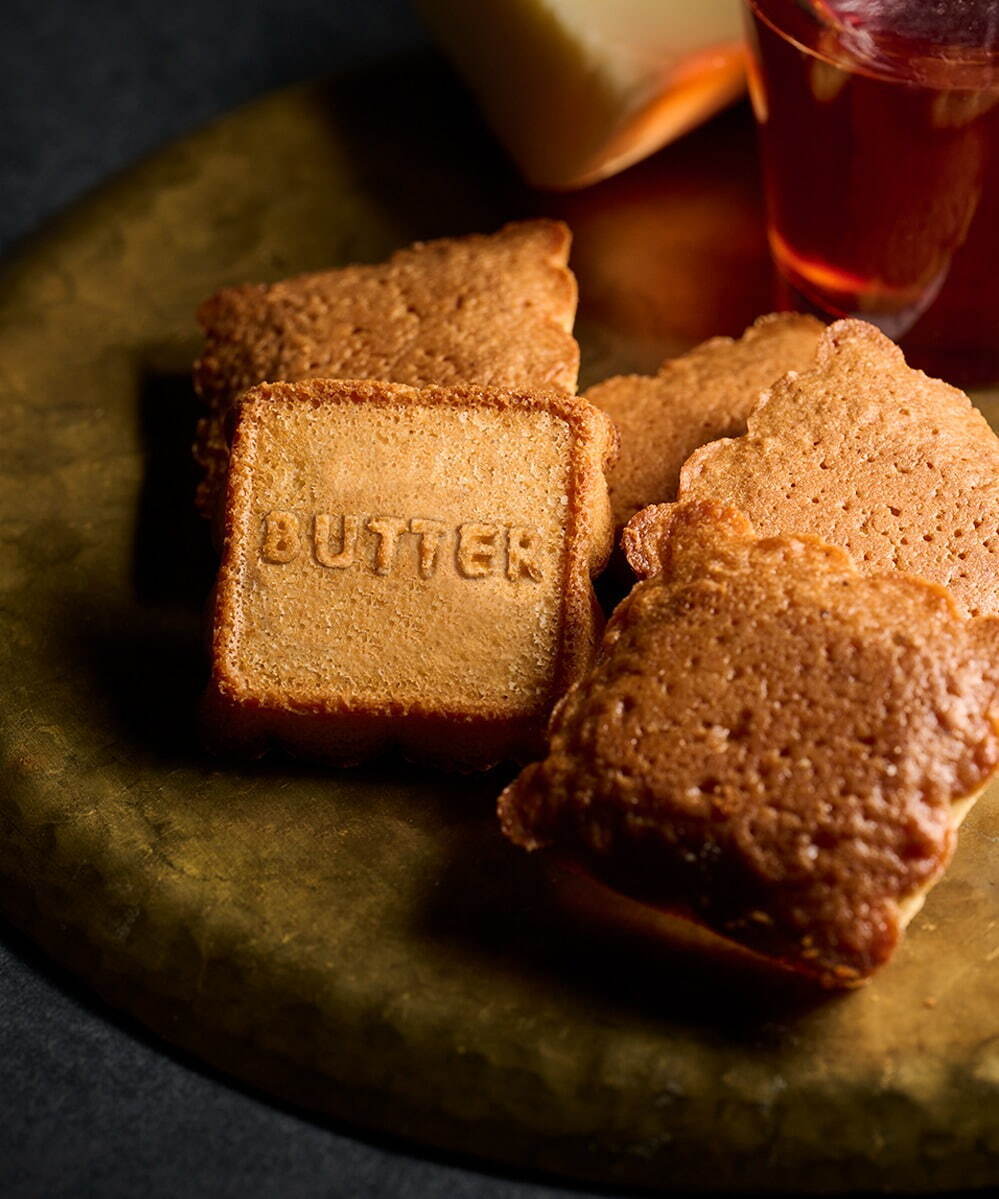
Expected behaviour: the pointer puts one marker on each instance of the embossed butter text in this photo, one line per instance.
(471, 549)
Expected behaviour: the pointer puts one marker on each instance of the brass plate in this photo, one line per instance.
(364, 943)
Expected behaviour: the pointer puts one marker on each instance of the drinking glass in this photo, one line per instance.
(879, 137)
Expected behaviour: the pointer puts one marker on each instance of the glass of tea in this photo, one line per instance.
(879, 135)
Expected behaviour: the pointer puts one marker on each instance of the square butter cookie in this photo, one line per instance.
(406, 567)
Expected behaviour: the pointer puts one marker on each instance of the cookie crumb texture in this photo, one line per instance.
(771, 743)
(407, 567)
(495, 309)
(864, 452)
(702, 395)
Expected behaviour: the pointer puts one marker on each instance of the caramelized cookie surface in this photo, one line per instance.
(773, 743)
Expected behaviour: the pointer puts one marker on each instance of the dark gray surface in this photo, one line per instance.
(93, 1108)
(89, 86)
(90, 1106)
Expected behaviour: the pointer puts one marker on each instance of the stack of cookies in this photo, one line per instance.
(412, 500)
(788, 716)
(798, 703)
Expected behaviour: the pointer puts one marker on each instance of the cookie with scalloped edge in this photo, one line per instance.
(867, 453)
(772, 744)
(491, 309)
(702, 395)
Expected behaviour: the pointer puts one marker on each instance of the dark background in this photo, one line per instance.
(90, 1105)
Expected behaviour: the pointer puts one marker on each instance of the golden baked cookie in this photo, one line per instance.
(705, 394)
(771, 743)
(406, 567)
(868, 454)
(495, 310)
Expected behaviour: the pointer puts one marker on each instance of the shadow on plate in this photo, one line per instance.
(173, 562)
(144, 650)
(528, 915)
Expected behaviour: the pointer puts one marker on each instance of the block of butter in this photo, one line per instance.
(579, 89)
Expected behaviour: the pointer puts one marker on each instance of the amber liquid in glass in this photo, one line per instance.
(879, 130)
